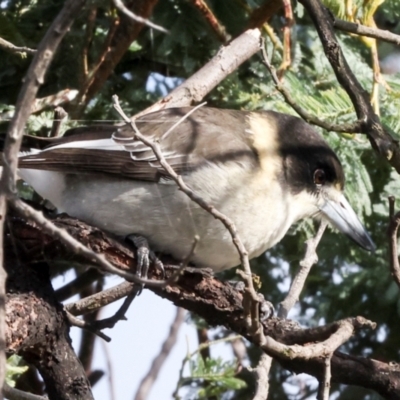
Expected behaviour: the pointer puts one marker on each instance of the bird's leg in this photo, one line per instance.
(144, 256)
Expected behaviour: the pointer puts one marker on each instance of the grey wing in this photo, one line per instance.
(207, 135)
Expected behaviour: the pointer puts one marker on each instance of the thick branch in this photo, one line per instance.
(220, 304)
(210, 75)
(37, 329)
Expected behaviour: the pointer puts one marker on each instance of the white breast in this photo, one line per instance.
(164, 215)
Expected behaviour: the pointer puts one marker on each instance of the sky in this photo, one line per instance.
(136, 342)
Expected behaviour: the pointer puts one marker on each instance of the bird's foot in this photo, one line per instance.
(266, 308)
(145, 256)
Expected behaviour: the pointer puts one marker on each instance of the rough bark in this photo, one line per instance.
(37, 329)
(219, 304)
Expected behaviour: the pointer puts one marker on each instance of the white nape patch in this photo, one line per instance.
(100, 144)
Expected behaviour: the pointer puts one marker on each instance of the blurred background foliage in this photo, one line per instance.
(347, 280)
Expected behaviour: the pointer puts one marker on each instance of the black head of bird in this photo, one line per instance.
(264, 170)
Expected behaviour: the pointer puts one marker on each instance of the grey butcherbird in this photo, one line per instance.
(264, 170)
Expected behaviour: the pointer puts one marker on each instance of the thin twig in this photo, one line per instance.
(394, 223)
(76, 285)
(120, 314)
(106, 51)
(89, 31)
(251, 308)
(148, 380)
(64, 96)
(16, 394)
(310, 258)
(99, 300)
(85, 325)
(344, 329)
(77, 247)
(287, 46)
(262, 375)
(350, 128)
(60, 116)
(11, 48)
(363, 30)
(180, 120)
(212, 20)
(121, 7)
(325, 383)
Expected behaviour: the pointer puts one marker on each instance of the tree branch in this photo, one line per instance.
(310, 258)
(144, 21)
(37, 328)
(363, 30)
(220, 304)
(325, 383)
(125, 33)
(394, 223)
(380, 140)
(211, 74)
(16, 394)
(310, 118)
(99, 300)
(216, 26)
(261, 373)
(11, 48)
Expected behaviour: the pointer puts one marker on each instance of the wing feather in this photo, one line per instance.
(206, 135)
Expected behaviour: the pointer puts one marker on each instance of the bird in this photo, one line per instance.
(262, 169)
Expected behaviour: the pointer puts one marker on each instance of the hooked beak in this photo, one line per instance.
(340, 214)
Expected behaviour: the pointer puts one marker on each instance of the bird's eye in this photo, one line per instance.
(319, 177)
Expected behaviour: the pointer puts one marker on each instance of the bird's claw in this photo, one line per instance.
(266, 308)
(145, 257)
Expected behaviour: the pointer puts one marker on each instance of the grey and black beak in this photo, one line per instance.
(340, 214)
